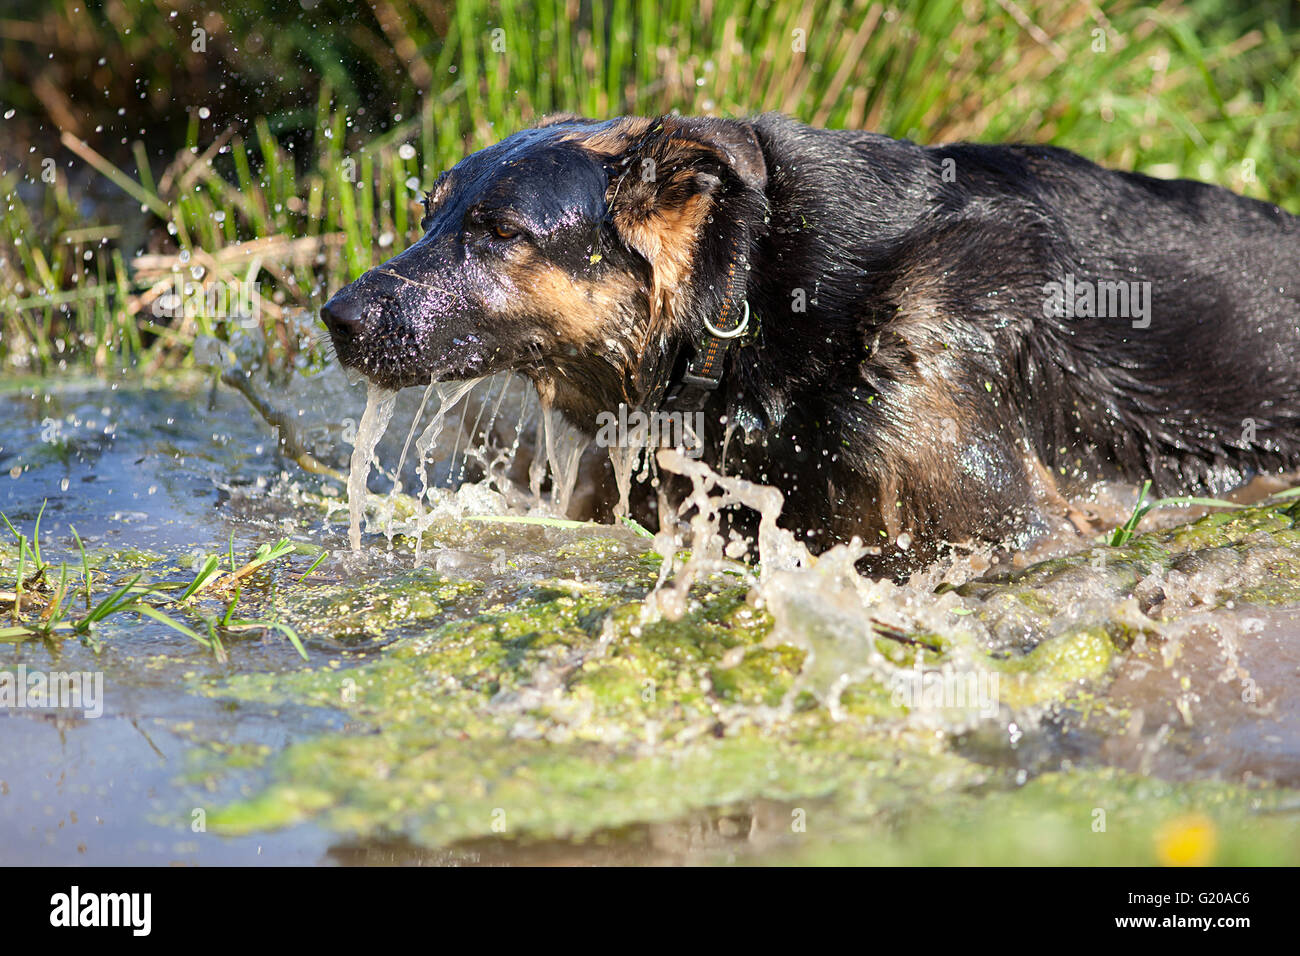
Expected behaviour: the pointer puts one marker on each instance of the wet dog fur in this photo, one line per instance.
(909, 369)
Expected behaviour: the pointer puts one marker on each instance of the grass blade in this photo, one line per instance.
(161, 618)
(110, 604)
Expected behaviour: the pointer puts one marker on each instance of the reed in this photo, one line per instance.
(276, 211)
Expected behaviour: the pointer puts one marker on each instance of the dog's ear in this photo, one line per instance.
(666, 183)
(731, 142)
(686, 194)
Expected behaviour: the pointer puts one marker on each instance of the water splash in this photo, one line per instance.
(778, 549)
(822, 605)
(489, 446)
(449, 394)
(565, 444)
(374, 421)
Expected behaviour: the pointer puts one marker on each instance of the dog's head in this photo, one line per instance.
(579, 253)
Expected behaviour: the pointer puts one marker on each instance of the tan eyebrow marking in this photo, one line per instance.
(438, 195)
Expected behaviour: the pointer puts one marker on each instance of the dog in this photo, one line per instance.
(914, 344)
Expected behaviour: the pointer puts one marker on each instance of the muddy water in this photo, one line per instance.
(519, 691)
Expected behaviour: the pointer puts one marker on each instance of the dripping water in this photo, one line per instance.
(374, 421)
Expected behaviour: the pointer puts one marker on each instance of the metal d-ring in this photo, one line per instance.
(734, 333)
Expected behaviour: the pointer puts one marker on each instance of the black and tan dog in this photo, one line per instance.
(931, 341)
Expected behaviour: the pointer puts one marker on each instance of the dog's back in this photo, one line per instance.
(1197, 382)
(1203, 352)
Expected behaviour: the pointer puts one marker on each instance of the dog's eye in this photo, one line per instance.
(505, 232)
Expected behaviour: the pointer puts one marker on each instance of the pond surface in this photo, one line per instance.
(533, 692)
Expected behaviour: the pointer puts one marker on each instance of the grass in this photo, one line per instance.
(1125, 532)
(274, 212)
(49, 612)
(1143, 506)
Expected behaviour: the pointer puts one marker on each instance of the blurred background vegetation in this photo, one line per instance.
(284, 143)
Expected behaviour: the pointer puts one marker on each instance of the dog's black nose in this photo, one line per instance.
(342, 317)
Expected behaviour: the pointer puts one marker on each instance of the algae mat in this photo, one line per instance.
(559, 714)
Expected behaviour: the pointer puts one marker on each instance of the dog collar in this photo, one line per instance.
(703, 373)
(705, 368)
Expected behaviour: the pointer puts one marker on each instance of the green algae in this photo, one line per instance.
(1102, 817)
(115, 561)
(559, 709)
(1055, 668)
(1225, 533)
(359, 612)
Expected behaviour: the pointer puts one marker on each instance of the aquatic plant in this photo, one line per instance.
(39, 608)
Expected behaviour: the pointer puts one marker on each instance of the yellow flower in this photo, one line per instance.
(1188, 840)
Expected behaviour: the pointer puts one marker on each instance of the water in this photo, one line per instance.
(564, 447)
(378, 413)
(476, 438)
(834, 615)
(150, 479)
(617, 698)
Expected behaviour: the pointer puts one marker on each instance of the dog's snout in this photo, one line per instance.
(343, 317)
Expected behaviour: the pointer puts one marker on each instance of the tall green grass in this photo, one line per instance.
(301, 200)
